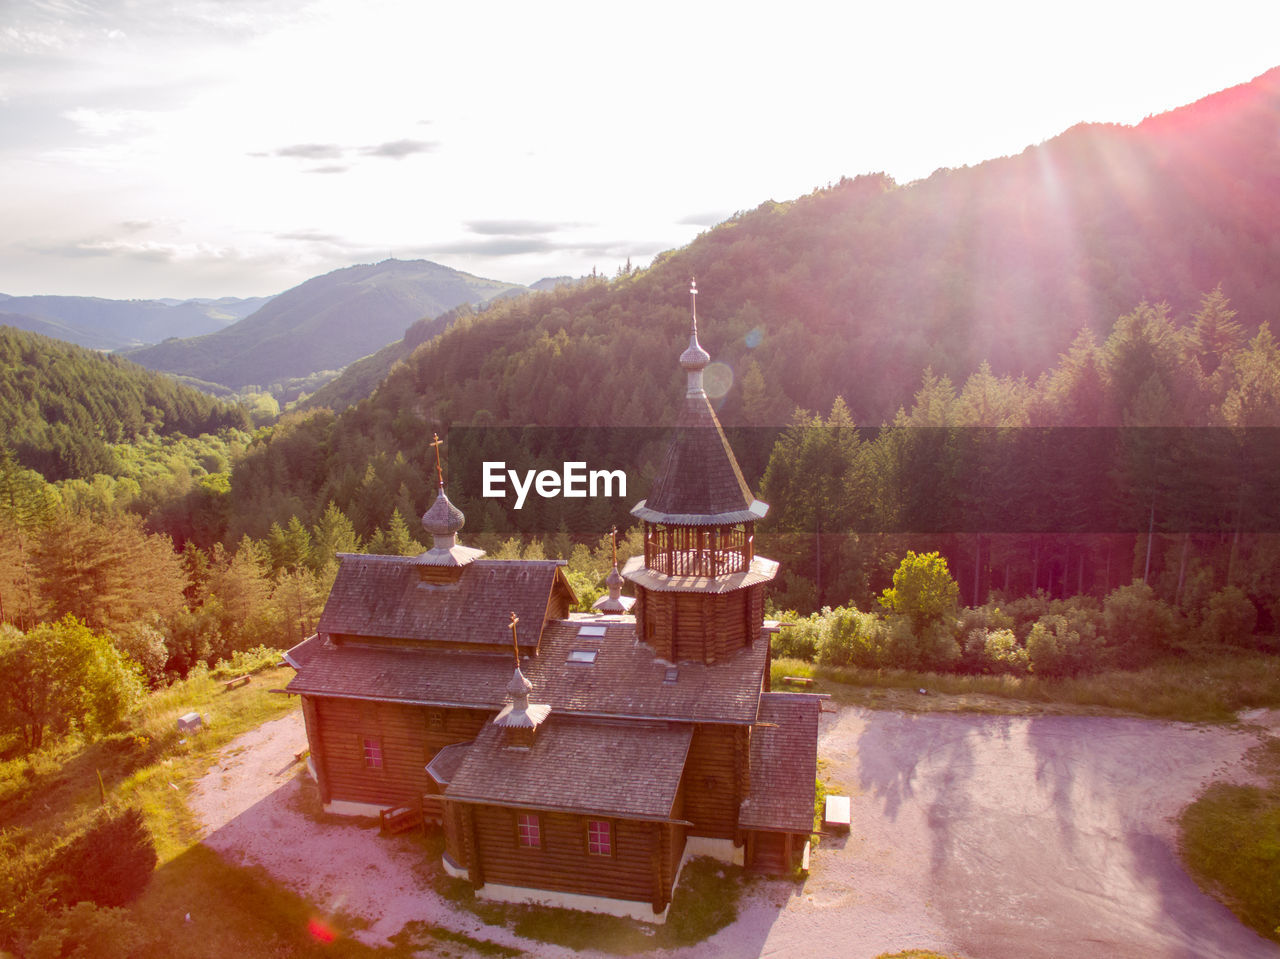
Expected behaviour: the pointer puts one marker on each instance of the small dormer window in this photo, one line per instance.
(672, 674)
(581, 656)
(593, 631)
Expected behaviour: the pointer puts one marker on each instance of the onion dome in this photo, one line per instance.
(443, 520)
(520, 718)
(615, 602)
(695, 359)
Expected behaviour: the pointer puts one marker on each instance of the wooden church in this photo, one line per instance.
(577, 759)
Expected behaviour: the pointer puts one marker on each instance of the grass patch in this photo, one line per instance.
(705, 901)
(1230, 841)
(779, 669)
(421, 935)
(1193, 688)
(52, 796)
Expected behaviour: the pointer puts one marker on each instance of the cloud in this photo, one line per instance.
(79, 249)
(517, 227)
(496, 246)
(102, 123)
(399, 149)
(147, 251)
(392, 149)
(520, 245)
(708, 218)
(310, 151)
(311, 236)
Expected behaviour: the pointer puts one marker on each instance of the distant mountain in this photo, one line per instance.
(361, 378)
(103, 324)
(551, 282)
(323, 324)
(58, 331)
(62, 406)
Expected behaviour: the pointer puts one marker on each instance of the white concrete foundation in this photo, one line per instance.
(624, 908)
(722, 849)
(342, 807)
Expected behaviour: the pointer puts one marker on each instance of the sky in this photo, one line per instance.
(206, 148)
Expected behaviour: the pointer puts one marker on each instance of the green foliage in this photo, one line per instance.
(1060, 646)
(798, 637)
(62, 406)
(1001, 652)
(849, 637)
(395, 540)
(87, 931)
(61, 676)
(1139, 626)
(108, 572)
(109, 864)
(1230, 840)
(1229, 617)
(923, 590)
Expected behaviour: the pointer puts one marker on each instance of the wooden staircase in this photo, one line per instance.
(428, 809)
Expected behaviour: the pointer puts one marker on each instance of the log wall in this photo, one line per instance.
(409, 737)
(699, 627)
(640, 868)
(715, 779)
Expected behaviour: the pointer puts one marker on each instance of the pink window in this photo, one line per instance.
(599, 837)
(372, 753)
(529, 830)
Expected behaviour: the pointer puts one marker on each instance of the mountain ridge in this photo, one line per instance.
(101, 323)
(324, 323)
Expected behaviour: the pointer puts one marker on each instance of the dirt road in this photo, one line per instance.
(988, 836)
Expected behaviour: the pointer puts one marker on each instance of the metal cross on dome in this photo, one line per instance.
(515, 642)
(693, 299)
(436, 441)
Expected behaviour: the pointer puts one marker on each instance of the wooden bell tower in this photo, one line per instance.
(699, 586)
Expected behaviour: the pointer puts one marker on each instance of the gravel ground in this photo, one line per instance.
(988, 836)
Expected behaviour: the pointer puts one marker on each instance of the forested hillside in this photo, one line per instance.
(854, 289)
(323, 324)
(63, 406)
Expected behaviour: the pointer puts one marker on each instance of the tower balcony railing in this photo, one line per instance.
(698, 550)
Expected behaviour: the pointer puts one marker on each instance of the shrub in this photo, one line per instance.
(85, 931)
(932, 648)
(109, 864)
(59, 676)
(798, 637)
(1138, 625)
(1228, 617)
(1003, 654)
(849, 637)
(1059, 646)
(1026, 612)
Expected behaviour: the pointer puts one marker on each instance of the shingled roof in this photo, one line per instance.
(385, 597)
(577, 765)
(625, 678)
(402, 674)
(700, 482)
(784, 764)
